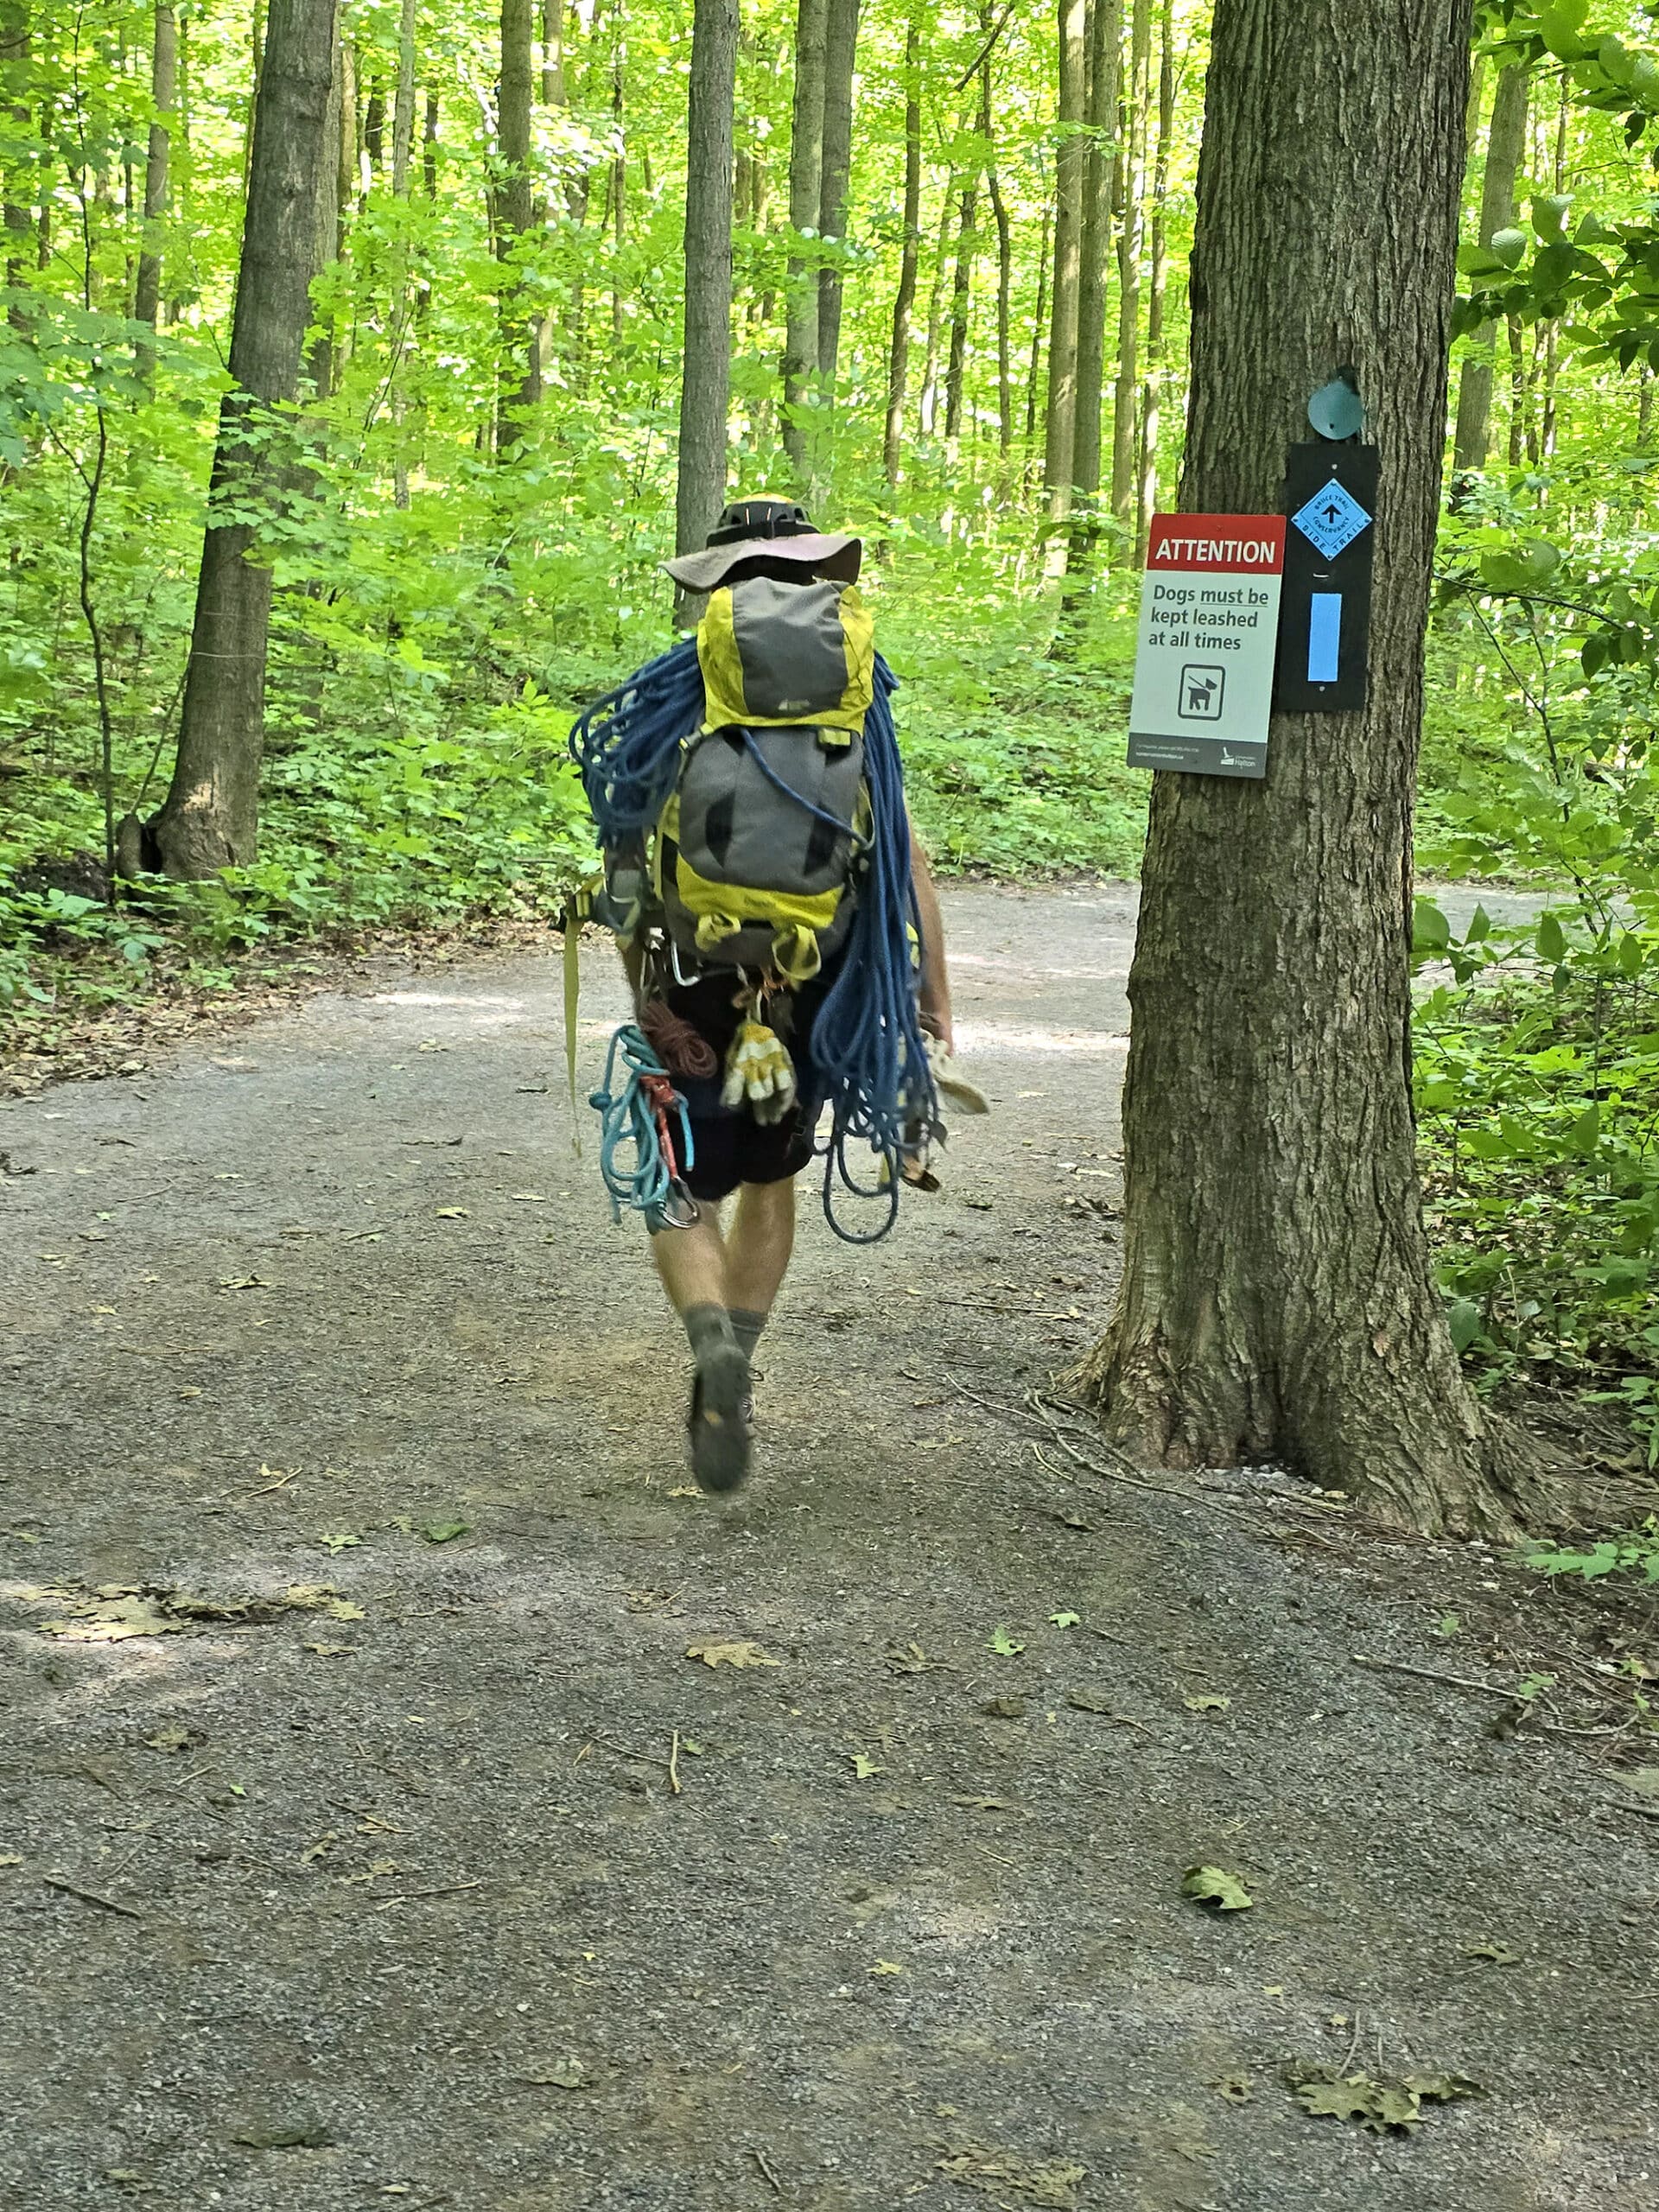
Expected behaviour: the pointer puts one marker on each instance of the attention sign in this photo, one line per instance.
(1209, 636)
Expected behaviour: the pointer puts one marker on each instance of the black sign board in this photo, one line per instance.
(1324, 618)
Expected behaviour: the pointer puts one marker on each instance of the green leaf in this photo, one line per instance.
(1214, 1887)
(444, 1532)
(1004, 1645)
(1551, 938)
(1066, 1620)
(1508, 248)
(1560, 23)
(1464, 1321)
(1431, 933)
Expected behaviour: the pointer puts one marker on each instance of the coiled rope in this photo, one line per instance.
(636, 1119)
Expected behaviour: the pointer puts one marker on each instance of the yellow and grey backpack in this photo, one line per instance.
(757, 851)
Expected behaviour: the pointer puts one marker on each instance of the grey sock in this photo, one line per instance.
(708, 1327)
(746, 1326)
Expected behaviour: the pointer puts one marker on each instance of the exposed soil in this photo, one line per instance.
(459, 1883)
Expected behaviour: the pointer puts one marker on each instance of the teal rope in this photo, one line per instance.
(652, 1184)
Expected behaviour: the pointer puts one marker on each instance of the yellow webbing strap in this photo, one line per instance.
(577, 909)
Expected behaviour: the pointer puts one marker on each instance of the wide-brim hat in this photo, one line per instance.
(773, 530)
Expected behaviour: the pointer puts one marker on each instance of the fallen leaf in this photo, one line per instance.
(445, 1532)
(1497, 1955)
(730, 1655)
(1644, 1780)
(1067, 1519)
(285, 2135)
(1050, 2185)
(883, 1967)
(339, 1540)
(685, 1489)
(1235, 2088)
(11, 1858)
(1384, 2107)
(1448, 1624)
(1004, 1645)
(863, 1767)
(113, 1621)
(567, 2073)
(453, 1213)
(1206, 1703)
(168, 1739)
(1004, 1708)
(331, 1651)
(1066, 1620)
(1213, 1887)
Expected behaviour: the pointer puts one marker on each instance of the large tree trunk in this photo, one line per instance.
(164, 91)
(705, 388)
(1132, 131)
(210, 819)
(806, 206)
(905, 299)
(1505, 141)
(1070, 161)
(840, 52)
(1277, 1302)
(521, 381)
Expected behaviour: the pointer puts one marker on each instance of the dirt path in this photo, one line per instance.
(398, 1867)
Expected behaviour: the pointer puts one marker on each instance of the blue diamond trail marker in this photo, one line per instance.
(1331, 520)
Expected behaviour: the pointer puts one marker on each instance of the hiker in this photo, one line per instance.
(780, 929)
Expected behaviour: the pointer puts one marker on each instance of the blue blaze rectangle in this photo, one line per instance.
(1323, 636)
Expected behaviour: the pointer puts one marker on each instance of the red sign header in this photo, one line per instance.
(1230, 545)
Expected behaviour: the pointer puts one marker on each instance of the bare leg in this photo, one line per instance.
(762, 1239)
(692, 1263)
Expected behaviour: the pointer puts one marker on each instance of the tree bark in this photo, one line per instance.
(1132, 138)
(961, 304)
(164, 91)
(210, 818)
(929, 411)
(1506, 137)
(840, 52)
(905, 300)
(805, 207)
(1070, 161)
(521, 378)
(705, 390)
(1004, 245)
(1034, 374)
(1277, 1302)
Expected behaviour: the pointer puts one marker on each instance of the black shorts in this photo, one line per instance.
(729, 1146)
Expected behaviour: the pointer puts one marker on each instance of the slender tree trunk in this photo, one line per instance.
(164, 91)
(840, 52)
(521, 382)
(1070, 163)
(705, 388)
(1277, 1301)
(1644, 409)
(553, 91)
(930, 405)
(210, 817)
(20, 232)
(1133, 135)
(805, 208)
(1152, 403)
(321, 359)
(618, 180)
(1505, 140)
(1100, 165)
(1034, 372)
(402, 168)
(899, 353)
(961, 305)
(1004, 247)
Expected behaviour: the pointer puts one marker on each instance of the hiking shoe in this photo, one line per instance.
(718, 1429)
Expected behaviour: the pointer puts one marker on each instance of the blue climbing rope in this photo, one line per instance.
(636, 1119)
(868, 1053)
